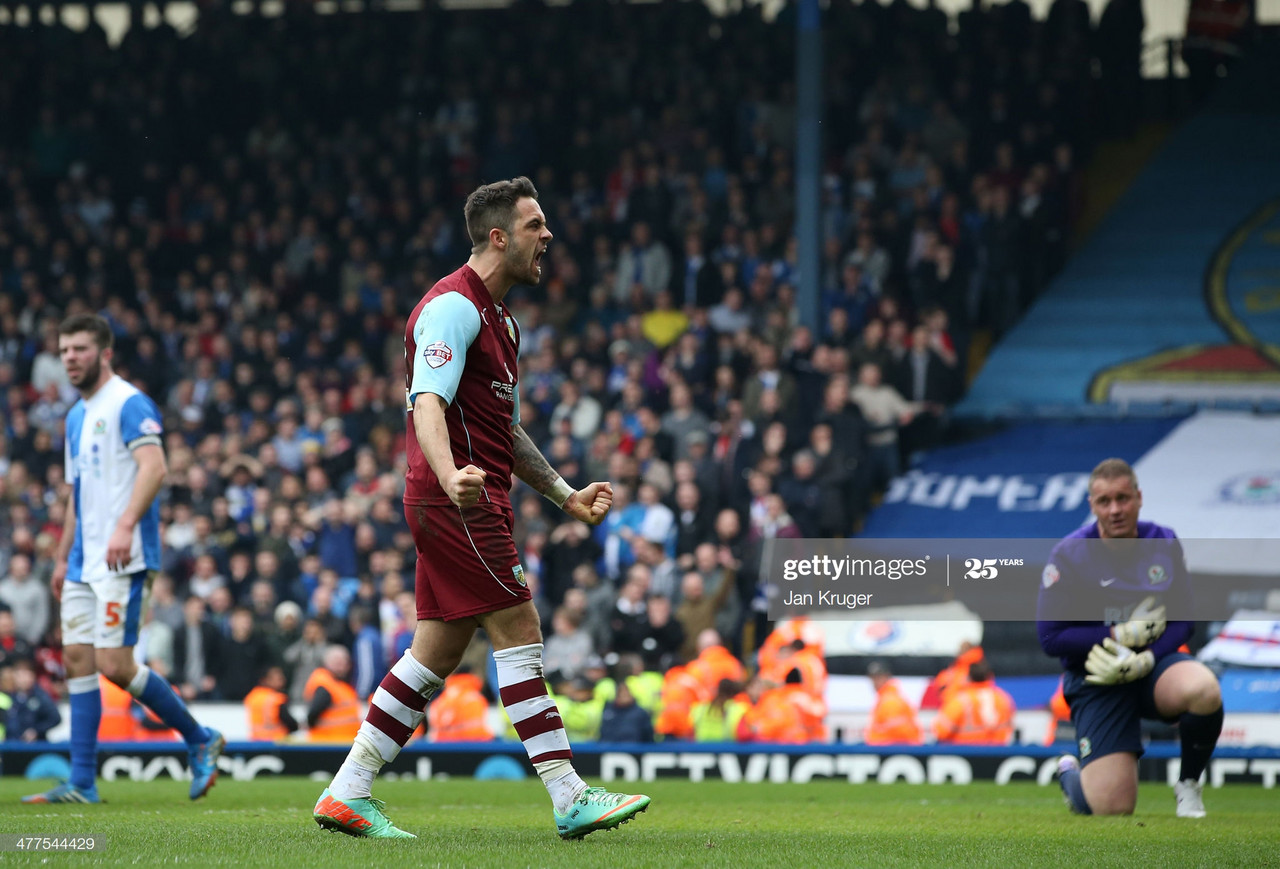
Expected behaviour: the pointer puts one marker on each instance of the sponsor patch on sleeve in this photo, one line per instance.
(437, 354)
(150, 426)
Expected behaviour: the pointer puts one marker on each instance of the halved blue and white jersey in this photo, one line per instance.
(102, 433)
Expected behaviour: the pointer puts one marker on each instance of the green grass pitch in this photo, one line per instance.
(465, 823)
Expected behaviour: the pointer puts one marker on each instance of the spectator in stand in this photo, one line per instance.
(886, 412)
(33, 713)
(197, 653)
(244, 657)
(624, 720)
(304, 656)
(28, 599)
(568, 648)
(368, 653)
(661, 636)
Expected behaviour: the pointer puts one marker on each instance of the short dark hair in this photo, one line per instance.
(493, 205)
(91, 323)
(980, 671)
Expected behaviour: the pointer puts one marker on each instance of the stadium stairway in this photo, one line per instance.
(1169, 298)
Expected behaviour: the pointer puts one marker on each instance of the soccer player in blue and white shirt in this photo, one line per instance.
(1119, 672)
(109, 551)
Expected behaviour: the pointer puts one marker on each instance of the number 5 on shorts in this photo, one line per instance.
(113, 614)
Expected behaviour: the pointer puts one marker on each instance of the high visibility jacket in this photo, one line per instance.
(812, 710)
(6, 703)
(646, 687)
(1060, 712)
(605, 690)
(787, 632)
(893, 721)
(341, 721)
(712, 723)
(263, 705)
(714, 664)
(581, 718)
(950, 677)
(680, 691)
(773, 718)
(810, 664)
(117, 724)
(460, 713)
(976, 714)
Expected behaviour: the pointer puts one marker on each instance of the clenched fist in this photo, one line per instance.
(464, 486)
(591, 503)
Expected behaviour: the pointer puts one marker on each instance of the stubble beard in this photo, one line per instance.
(88, 375)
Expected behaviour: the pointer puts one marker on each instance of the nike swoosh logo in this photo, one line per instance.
(1106, 582)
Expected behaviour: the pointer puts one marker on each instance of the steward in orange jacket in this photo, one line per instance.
(714, 663)
(333, 709)
(978, 713)
(460, 713)
(893, 721)
(786, 633)
(771, 716)
(680, 691)
(268, 708)
(951, 677)
(117, 723)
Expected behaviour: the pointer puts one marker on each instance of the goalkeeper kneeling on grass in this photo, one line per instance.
(1119, 673)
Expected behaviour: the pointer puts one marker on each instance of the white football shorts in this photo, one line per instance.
(107, 613)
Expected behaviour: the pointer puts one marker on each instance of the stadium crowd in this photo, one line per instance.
(255, 208)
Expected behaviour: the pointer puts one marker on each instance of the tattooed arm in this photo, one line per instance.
(589, 504)
(530, 465)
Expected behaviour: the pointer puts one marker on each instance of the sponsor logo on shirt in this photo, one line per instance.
(504, 391)
(437, 354)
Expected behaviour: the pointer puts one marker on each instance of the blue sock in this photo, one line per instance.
(155, 694)
(86, 713)
(1070, 781)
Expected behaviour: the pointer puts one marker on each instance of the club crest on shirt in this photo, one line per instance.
(511, 328)
(1155, 574)
(437, 354)
(150, 426)
(518, 573)
(1050, 575)
(100, 427)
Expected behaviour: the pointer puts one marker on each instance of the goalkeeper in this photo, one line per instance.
(1118, 674)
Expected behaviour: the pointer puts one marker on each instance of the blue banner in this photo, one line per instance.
(1030, 480)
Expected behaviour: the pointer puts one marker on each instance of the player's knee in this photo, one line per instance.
(1207, 697)
(1114, 804)
(116, 671)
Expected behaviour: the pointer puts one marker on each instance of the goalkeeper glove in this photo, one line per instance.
(1110, 663)
(1144, 627)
